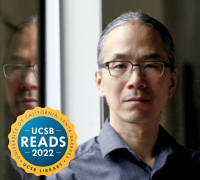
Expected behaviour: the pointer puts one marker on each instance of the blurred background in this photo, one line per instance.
(67, 44)
(181, 116)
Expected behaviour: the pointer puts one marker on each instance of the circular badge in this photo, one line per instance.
(42, 141)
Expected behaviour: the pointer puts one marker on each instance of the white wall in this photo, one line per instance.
(53, 82)
(80, 31)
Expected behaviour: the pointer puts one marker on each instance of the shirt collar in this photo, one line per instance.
(165, 141)
(109, 140)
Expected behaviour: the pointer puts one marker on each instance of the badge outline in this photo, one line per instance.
(42, 170)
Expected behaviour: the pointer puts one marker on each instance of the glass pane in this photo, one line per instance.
(19, 90)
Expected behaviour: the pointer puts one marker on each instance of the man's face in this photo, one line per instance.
(136, 98)
(22, 94)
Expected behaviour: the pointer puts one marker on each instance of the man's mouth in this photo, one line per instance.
(137, 100)
(30, 101)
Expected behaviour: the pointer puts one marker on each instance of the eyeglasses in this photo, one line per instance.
(147, 68)
(17, 71)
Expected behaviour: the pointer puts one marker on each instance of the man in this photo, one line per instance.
(136, 76)
(21, 79)
(20, 68)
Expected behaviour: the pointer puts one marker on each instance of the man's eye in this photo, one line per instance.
(150, 66)
(120, 66)
(17, 68)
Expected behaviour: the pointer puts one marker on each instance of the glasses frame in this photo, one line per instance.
(165, 64)
(25, 66)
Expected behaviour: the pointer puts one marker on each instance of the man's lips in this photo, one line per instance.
(137, 100)
(29, 101)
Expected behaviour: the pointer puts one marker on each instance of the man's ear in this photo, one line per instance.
(173, 83)
(99, 83)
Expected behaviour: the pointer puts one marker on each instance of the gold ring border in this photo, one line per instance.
(39, 170)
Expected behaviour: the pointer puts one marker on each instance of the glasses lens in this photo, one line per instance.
(14, 71)
(35, 68)
(152, 69)
(120, 69)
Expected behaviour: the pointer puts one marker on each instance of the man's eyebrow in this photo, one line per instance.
(15, 58)
(120, 56)
(152, 56)
(126, 56)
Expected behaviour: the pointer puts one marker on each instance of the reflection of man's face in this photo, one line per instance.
(22, 93)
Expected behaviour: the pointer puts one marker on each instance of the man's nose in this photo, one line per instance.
(30, 80)
(137, 80)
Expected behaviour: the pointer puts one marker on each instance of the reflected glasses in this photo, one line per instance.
(17, 71)
(147, 68)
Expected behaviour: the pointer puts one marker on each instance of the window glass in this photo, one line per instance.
(19, 73)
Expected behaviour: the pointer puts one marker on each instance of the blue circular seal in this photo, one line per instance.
(42, 141)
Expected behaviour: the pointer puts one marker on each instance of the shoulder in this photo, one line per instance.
(86, 148)
(86, 155)
(83, 161)
(64, 175)
(191, 154)
(188, 157)
(184, 163)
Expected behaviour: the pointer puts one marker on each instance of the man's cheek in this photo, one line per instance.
(12, 91)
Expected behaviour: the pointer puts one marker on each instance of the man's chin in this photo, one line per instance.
(136, 117)
(22, 108)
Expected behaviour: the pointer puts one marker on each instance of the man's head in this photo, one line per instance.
(141, 77)
(137, 16)
(20, 68)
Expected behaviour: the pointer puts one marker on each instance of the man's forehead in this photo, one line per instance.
(28, 33)
(23, 44)
(133, 38)
(131, 28)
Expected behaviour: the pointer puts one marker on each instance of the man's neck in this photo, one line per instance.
(141, 138)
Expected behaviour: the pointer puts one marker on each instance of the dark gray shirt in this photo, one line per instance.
(107, 157)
